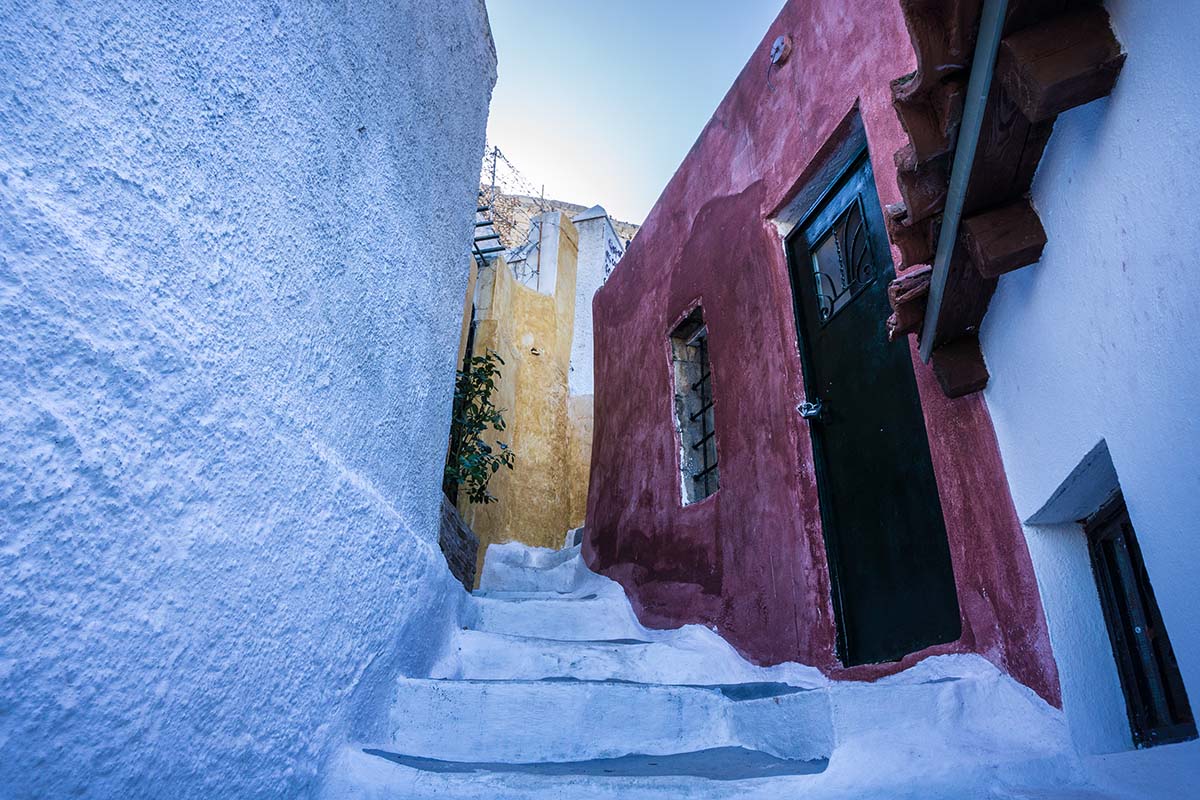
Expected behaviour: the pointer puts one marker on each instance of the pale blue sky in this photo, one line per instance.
(601, 99)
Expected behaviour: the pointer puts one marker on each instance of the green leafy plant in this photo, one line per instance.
(471, 461)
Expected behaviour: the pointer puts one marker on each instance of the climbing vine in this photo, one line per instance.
(472, 461)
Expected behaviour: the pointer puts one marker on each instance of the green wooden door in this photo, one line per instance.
(889, 561)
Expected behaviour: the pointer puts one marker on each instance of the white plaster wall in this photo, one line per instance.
(536, 261)
(599, 248)
(232, 248)
(1099, 341)
(1091, 689)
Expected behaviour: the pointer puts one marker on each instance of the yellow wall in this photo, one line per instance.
(579, 456)
(544, 495)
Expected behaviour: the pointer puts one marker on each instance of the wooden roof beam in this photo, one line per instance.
(959, 367)
(923, 185)
(1062, 63)
(907, 295)
(915, 240)
(1003, 240)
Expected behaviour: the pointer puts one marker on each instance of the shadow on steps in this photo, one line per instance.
(718, 764)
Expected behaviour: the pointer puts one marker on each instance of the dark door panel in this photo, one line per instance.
(893, 583)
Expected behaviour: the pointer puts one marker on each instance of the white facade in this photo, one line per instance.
(535, 261)
(232, 252)
(1097, 344)
(600, 248)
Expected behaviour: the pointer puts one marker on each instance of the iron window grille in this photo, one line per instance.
(694, 409)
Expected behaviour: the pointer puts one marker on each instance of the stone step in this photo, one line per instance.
(525, 722)
(719, 764)
(510, 568)
(691, 655)
(369, 774)
(516, 554)
(588, 617)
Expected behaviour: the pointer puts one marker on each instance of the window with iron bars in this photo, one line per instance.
(694, 418)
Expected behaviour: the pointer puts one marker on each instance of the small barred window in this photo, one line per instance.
(694, 408)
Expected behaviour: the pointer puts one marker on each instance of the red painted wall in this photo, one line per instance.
(750, 560)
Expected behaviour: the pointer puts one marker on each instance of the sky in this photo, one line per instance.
(600, 100)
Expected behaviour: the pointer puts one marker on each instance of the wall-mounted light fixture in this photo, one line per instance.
(781, 51)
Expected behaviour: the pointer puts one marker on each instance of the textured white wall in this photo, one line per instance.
(599, 248)
(1098, 341)
(233, 241)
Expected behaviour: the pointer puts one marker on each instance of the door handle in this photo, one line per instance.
(811, 410)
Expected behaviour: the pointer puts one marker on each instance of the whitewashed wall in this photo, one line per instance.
(233, 240)
(599, 250)
(1099, 342)
(535, 261)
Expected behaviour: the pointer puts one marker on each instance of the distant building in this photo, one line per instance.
(533, 306)
(768, 462)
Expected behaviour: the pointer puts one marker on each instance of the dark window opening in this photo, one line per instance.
(694, 416)
(449, 485)
(1155, 698)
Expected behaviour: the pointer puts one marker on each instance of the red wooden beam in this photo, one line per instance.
(959, 367)
(931, 118)
(1061, 63)
(1003, 240)
(915, 240)
(922, 184)
(908, 295)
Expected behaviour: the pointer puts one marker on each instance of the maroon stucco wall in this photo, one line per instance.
(750, 560)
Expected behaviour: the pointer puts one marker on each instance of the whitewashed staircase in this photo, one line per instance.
(552, 689)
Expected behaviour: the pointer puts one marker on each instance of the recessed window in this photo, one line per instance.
(694, 408)
(1154, 694)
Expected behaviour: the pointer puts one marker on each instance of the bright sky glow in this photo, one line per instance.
(600, 100)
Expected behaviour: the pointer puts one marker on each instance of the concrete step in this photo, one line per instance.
(552, 689)
(517, 554)
(521, 722)
(589, 617)
(692, 655)
(719, 763)
(369, 774)
(517, 568)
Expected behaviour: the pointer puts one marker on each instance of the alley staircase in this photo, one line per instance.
(552, 689)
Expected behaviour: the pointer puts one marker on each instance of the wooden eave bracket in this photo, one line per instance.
(1061, 63)
(916, 241)
(907, 296)
(1047, 66)
(929, 101)
(1003, 240)
(931, 118)
(959, 367)
(923, 185)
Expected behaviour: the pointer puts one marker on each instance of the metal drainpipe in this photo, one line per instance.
(983, 65)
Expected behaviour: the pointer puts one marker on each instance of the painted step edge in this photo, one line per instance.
(713, 764)
(692, 655)
(354, 774)
(516, 554)
(601, 617)
(565, 577)
(570, 720)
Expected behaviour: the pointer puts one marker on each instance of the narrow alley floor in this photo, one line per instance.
(553, 689)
